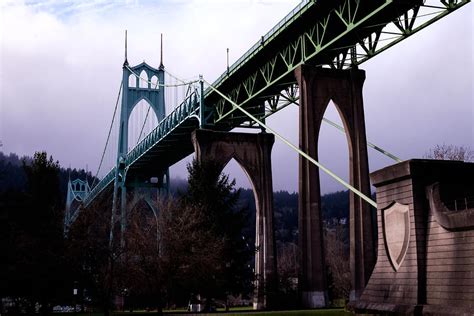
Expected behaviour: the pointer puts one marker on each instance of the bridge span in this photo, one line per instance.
(310, 57)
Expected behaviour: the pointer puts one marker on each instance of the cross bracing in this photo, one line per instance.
(335, 34)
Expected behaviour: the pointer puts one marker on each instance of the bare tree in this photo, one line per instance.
(288, 265)
(450, 152)
(339, 278)
(185, 254)
(97, 265)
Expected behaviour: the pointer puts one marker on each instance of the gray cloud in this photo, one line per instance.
(61, 68)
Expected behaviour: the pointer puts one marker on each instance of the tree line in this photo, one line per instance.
(199, 244)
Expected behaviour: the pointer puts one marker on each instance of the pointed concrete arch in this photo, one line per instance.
(253, 153)
(317, 87)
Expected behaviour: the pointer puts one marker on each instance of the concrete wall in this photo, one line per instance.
(436, 275)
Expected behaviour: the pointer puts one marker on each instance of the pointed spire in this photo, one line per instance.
(161, 53)
(227, 60)
(126, 61)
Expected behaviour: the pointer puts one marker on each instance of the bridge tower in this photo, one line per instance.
(77, 191)
(132, 94)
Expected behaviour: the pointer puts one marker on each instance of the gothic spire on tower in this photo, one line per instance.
(161, 53)
(126, 61)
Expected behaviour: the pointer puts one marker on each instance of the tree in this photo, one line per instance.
(148, 269)
(287, 275)
(34, 268)
(182, 255)
(450, 152)
(337, 263)
(97, 264)
(213, 197)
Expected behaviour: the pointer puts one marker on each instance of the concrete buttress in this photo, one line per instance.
(318, 87)
(253, 153)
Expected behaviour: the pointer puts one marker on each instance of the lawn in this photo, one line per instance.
(233, 312)
(249, 312)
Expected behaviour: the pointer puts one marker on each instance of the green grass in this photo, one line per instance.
(321, 312)
(235, 311)
(246, 311)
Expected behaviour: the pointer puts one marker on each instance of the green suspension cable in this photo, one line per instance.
(302, 153)
(383, 151)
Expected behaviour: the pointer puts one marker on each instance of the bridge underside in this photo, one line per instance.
(321, 34)
(170, 150)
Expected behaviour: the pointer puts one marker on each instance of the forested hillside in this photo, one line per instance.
(334, 205)
(41, 264)
(13, 176)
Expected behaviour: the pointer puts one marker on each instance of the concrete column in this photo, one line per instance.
(362, 238)
(312, 274)
(317, 87)
(253, 153)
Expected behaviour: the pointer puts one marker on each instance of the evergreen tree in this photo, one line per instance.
(34, 266)
(213, 195)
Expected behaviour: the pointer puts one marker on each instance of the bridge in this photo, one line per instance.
(310, 57)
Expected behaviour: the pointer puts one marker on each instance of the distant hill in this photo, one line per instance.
(13, 177)
(285, 207)
(334, 205)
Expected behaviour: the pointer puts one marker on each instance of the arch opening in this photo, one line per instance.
(143, 80)
(132, 81)
(248, 198)
(142, 224)
(141, 122)
(333, 153)
(333, 149)
(154, 82)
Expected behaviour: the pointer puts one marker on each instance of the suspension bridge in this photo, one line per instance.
(310, 57)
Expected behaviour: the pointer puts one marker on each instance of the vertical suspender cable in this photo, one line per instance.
(108, 135)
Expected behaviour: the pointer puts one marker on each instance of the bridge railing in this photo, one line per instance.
(186, 109)
(280, 26)
(109, 177)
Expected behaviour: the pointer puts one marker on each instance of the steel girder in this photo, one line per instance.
(346, 35)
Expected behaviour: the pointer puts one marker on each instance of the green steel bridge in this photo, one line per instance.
(337, 34)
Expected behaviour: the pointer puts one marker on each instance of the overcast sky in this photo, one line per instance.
(61, 66)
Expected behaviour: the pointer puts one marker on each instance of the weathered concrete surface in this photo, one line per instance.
(317, 87)
(436, 276)
(253, 154)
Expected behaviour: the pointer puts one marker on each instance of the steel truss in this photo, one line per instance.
(348, 35)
